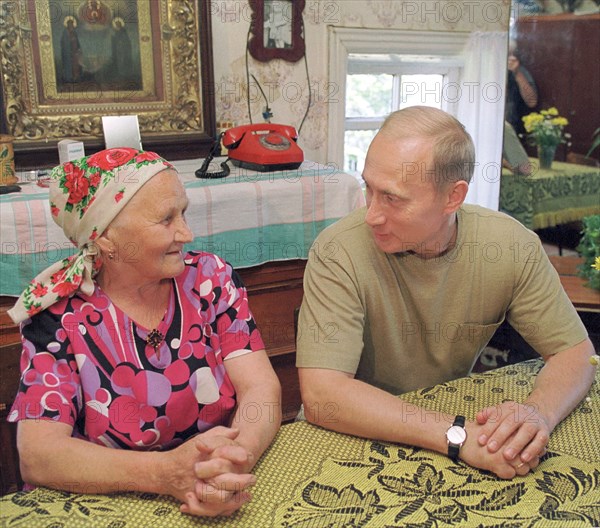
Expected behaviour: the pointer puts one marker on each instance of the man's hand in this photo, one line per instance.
(480, 457)
(515, 430)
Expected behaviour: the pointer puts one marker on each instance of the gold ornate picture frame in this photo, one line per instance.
(66, 63)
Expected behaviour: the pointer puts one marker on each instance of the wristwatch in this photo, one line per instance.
(456, 436)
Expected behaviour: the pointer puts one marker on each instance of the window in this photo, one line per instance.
(391, 62)
(379, 84)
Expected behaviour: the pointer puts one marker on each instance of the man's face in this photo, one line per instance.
(404, 209)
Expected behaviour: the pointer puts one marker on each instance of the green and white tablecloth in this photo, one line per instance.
(565, 193)
(248, 218)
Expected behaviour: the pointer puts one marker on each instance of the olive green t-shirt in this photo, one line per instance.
(401, 322)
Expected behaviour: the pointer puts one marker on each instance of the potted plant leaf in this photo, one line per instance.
(595, 142)
(589, 249)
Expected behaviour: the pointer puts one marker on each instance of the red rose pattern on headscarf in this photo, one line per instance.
(85, 196)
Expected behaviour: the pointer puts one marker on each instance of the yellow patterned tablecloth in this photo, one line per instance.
(312, 478)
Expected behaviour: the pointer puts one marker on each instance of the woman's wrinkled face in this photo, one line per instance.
(148, 235)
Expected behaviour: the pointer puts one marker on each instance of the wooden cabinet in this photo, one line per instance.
(275, 293)
(10, 355)
(561, 52)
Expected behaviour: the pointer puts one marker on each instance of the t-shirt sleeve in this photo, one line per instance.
(331, 321)
(50, 386)
(237, 329)
(540, 309)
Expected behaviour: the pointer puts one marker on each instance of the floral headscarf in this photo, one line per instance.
(85, 196)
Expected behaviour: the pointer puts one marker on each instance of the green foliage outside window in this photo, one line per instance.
(369, 95)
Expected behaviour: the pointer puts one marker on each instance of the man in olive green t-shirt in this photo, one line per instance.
(406, 292)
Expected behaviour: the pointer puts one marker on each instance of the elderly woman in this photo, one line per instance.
(139, 361)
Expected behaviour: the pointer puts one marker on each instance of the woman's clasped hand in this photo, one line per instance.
(218, 483)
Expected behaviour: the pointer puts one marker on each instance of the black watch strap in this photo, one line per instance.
(453, 449)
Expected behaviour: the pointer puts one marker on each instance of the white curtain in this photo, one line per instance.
(481, 109)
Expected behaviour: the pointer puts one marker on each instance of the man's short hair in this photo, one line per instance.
(453, 148)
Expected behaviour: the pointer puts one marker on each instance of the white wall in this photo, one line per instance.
(285, 83)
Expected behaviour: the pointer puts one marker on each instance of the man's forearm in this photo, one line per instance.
(350, 406)
(563, 382)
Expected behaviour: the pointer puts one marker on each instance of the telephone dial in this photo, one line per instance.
(261, 147)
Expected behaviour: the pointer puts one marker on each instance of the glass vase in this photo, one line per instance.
(546, 155)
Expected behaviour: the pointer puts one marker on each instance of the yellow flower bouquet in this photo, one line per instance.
(546, 128)
(546, 131)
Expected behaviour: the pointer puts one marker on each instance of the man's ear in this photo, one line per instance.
(456, 194)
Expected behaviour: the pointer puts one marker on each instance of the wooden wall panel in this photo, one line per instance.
(561, 52)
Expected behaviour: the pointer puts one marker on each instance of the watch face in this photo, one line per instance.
(456, 435)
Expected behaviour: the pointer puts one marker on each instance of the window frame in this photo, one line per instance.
(449, 70)
(444, 45)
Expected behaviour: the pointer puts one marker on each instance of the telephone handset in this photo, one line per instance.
(202, 172)
(263, 147)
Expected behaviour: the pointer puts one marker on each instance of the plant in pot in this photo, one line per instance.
(545, 130)
(589, 249)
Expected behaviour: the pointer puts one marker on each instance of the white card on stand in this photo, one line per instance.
(122, 131)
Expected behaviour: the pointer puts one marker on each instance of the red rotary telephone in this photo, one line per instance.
(263, 147)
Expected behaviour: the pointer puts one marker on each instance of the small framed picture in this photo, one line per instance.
(277, 30)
